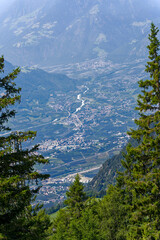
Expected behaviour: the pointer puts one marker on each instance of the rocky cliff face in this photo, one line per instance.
(50, 32)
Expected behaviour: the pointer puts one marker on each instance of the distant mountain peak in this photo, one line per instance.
(55, 32)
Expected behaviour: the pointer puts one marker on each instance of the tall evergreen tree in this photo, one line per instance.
(9, 94)
(141, 179)
(17, 171)
(76, 196)
(67, 223)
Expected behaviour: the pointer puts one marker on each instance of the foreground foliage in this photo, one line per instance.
(141, 179)
(18, 219)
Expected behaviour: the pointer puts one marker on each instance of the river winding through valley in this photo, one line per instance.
(79, 97)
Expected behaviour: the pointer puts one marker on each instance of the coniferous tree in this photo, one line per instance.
(76, 196)
(113, 213)
(67, 222)
(9, 94)
(141, 179)
(17, 171)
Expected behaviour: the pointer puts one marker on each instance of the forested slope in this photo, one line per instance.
(107, 173)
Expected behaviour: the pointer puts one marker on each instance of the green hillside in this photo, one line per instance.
(107, 173)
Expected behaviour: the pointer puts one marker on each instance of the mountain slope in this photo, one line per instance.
(50, 32)
(107, 173)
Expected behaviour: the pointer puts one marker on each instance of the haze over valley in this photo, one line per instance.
(80, 63)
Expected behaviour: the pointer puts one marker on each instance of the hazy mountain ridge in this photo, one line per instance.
(57, 32)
